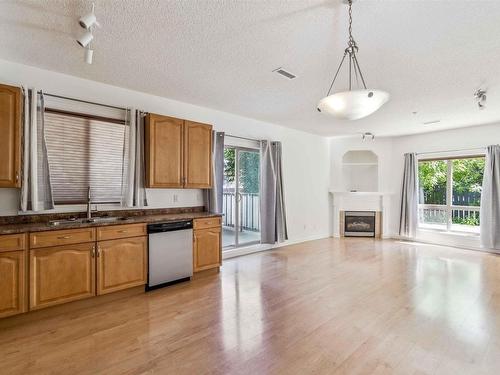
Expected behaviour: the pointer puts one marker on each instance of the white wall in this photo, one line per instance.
(305, 156)
(390, 151)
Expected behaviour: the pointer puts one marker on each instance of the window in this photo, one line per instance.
(450, 193)
(85, 151)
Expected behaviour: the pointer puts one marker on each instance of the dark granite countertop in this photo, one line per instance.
(40, 226)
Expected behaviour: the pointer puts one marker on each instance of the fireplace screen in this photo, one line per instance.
(359, 224)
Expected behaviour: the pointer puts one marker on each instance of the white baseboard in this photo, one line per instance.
(239, 251)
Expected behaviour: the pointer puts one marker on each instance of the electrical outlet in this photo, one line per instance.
(176, 198)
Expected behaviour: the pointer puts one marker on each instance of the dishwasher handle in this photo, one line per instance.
(170, 226)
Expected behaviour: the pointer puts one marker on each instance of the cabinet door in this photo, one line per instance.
(121, 264)
(10, 139)
(61, 274)
(163, 151)
(12, 283)
(207, 249)
(197, 155)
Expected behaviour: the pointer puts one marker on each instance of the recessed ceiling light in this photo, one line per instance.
(431, 122)
(285, 73)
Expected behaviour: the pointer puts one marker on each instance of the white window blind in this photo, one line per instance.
(85, 151)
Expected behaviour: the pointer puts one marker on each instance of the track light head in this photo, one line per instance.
(88, 20)
(85, 39)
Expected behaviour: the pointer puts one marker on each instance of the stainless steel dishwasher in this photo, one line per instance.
(170, 255)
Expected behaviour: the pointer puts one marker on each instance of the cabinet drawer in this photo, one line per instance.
(61, 237)
(121, 231)
(209, 222)
(12, 242)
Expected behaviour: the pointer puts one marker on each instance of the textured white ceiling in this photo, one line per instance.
(429, 55)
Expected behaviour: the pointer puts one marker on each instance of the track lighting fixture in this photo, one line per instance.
(480, 96)
(367, 135)
(88, 20)
(89, 53)
(85, 39)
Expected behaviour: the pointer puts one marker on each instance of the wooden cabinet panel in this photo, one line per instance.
(61, 237)
(10, 139)
(207, 249)
(209, 222)
(11, 242)
(164, 151)
(121, 264)
(197, 155)
(61, 274)
(121, 231)
(12, 283)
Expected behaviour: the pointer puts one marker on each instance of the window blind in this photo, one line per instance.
(85, 152)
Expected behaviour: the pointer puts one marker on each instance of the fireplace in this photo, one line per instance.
(359, 224)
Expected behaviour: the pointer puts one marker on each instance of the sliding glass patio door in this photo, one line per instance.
(241, 197)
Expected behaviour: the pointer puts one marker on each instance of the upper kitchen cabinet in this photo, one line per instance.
(10, 140)
(178, 153)
(197, 155)
(164, 151)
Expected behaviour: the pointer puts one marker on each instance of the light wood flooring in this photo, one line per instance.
(351, 306)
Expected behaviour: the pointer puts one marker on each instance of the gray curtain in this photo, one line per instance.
(490, 200)
(214, 195)
(409, 198)
(272, 203)
(36, 189)
(134, 193)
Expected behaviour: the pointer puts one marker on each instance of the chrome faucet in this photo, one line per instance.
(89, 204)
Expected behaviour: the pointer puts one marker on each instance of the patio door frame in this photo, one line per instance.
(237, 196)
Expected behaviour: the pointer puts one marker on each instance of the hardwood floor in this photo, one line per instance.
(353, 306)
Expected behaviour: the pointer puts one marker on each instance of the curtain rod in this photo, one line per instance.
(236, 136)
(444, 151)
(80, 100)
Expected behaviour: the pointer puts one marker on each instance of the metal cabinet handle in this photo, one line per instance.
(93, 252)
(63, 237)
(17, 176)
(98, 251)
(123, 231)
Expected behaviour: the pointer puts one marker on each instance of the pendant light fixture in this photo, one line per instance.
(352, 104)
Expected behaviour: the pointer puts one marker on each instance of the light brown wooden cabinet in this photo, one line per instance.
(12, 283)
(121, 264)
(197, 155)
(10, 139)
(178, 153)
(164, 151)
(207, 248)
(61, 274)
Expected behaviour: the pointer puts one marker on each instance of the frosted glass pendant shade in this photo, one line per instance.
(353, 105)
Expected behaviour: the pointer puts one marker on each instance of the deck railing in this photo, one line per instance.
(438, 214)
(249, 210)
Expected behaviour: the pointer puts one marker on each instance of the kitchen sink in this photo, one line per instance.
(97, 220)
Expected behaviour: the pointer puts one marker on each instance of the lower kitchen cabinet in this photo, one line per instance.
(121, 264)
(12, 283)
(61, 274)
(207, 248)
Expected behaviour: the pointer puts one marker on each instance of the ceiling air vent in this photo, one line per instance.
(432, 122)
(285, 73)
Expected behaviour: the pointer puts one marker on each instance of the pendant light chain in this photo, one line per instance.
(352, 49)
